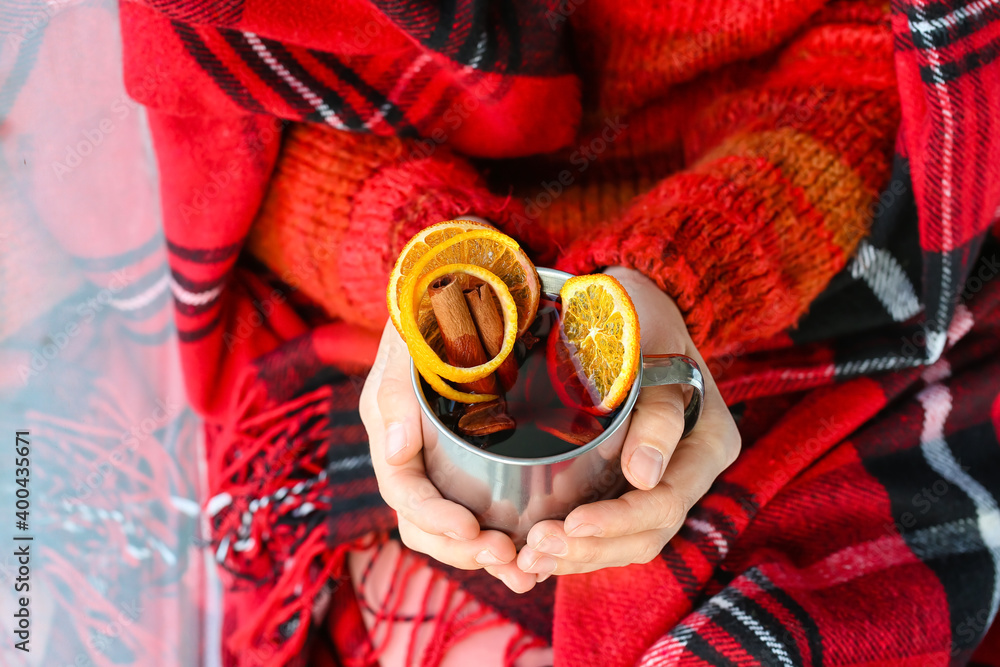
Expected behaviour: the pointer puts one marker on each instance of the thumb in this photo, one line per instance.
(656, 427)
(397, 403)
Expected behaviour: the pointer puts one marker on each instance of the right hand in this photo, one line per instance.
(428, 523)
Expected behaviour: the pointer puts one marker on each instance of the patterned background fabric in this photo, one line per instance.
(860, 525)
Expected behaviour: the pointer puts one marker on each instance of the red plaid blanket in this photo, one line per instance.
(860, 525)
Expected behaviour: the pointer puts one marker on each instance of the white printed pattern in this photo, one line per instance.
(962, 322)
(477, 56)
(712, 532)
(144, 298)
(947, 539)
(887, 280)
(937, 402)
(329, 116)
(936, 342)
(194, 298)
(398, 89)
(960, 15)
(875, 365)
(770, 640)
(670, 646)
(93, 514)
(219, 502)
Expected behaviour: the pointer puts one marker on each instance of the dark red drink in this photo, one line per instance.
(548, 421)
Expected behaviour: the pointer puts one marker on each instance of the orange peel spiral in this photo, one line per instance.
(426, 360)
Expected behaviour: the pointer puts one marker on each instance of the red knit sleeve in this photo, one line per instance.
(780, 183)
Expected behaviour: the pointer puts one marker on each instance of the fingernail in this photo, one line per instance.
(542, 577)
(543, 565)
(646, 465)
(395, 440)
(506, 581)
(551, 544)
(486, 557)
(584, 530)
(455, 536)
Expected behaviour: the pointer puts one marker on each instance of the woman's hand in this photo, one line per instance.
(428, 523)
(670, 474)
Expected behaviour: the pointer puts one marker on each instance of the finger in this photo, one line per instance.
(716, 427)
(491, 548)
(397, 402)
(696, 461)
(403, 481)
(368, 403)
(407, 490)
(658, 418)
(634, 512)
(514, 577)
(656, 426)
(586, 554)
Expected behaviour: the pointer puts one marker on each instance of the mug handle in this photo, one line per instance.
(663, 369)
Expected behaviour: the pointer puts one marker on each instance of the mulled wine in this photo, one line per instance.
(550, 408)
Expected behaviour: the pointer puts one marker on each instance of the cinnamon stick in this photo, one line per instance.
(486, 314)
(458, 331)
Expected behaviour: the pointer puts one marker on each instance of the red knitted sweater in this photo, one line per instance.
(741, 187)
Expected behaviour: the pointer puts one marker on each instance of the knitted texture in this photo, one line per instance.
(341, 207)
(615, 158)
(781, 172)
(777, 196)
(635, 52)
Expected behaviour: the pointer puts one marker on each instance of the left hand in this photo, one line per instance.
(669, 474)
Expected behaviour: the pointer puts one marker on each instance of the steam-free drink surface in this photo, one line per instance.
(532, 402)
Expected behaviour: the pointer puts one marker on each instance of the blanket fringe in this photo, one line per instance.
(119, 497)
(446, 616)
(268, 518)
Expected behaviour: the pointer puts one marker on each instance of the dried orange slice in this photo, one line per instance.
(414, 249)
(465, 242)
(600, 324)
(574, 392)
(424, 356)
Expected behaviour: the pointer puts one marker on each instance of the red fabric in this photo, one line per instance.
(341, 204)
(625, 625)
(204, 51)
(799, 525)
(948, 145)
